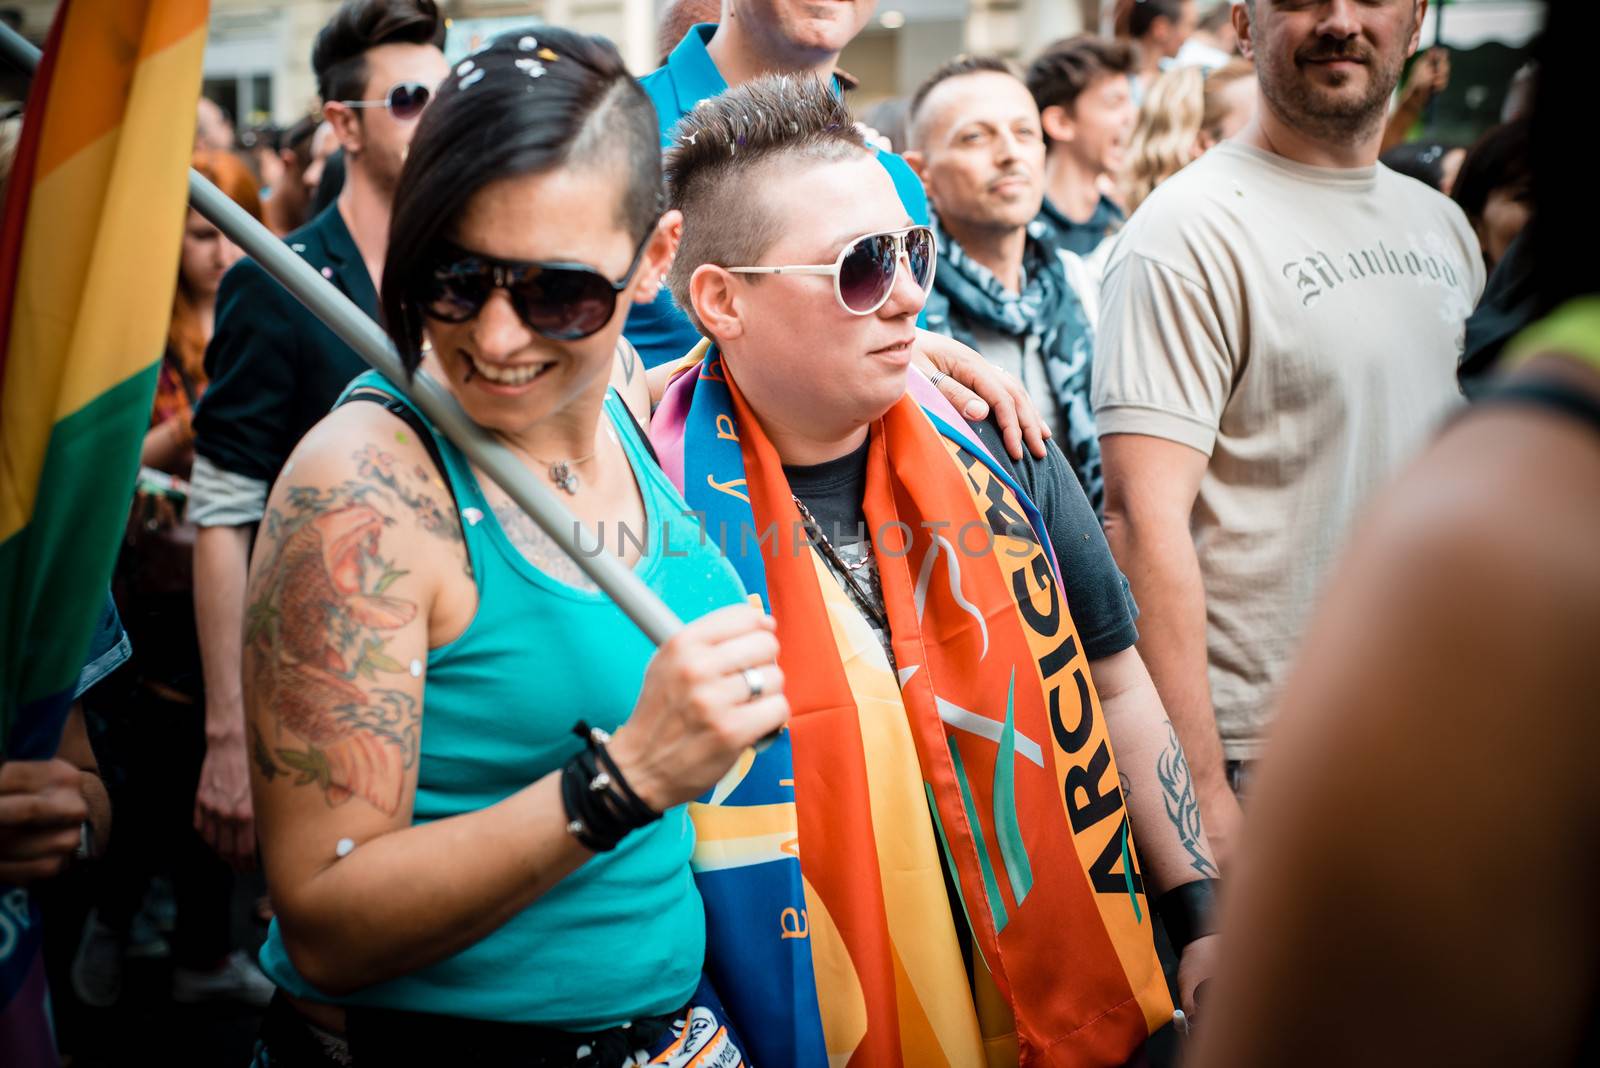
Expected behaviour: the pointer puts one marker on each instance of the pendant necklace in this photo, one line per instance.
(561, 473)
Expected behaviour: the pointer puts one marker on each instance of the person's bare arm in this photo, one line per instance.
(222, 811)
(351, 562)
(1430, 76)
(1159, 789)
(75, 750)
(1418, 882)
(1162, 806)
(168, 446)
(1151, 484)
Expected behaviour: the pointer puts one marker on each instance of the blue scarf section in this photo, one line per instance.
(768, 984)
(967, 294)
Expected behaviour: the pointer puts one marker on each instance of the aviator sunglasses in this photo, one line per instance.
(560, 301)
(864, 273)
(405, 100)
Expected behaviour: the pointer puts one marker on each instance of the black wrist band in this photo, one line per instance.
(602, 809)
(1188, 911)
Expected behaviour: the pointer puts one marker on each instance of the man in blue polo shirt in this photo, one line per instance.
(761, 37)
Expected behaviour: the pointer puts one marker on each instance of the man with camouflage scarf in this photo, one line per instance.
(1003, 286)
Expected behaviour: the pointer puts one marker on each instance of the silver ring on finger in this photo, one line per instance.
(752, 679)
(937, 376)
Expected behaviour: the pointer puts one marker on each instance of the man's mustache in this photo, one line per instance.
(1326, 50)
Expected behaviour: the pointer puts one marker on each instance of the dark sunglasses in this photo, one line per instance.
(864, 273)
(560, 301)
(405, 101)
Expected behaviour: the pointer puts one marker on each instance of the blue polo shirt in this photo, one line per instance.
(660, 331)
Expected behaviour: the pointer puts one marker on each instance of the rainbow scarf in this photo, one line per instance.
(821, 859)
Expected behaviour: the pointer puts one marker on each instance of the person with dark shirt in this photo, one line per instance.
(275, 369)
(1495, 188)
(288, 202)
(1083, 88)
(908, 568)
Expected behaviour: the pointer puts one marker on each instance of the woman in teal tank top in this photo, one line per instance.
(457, 865)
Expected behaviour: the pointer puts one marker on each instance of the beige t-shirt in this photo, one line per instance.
(1300, 326)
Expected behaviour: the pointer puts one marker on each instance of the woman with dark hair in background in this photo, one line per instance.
(1429, 162)
(461, 858)
(154, 738)
(1159, 28)
(1418, 881)
(1495, 187)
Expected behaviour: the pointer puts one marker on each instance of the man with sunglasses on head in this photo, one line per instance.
(275, 369)
(943, 832)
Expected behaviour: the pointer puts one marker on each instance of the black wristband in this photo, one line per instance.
(602, 809)
(1188, 911)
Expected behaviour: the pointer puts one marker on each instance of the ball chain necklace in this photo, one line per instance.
(560, 472)
(864, 599)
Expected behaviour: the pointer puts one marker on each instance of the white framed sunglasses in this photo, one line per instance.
(865, 272)
(405, 100)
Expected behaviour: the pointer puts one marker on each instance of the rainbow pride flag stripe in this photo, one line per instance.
(88, 260)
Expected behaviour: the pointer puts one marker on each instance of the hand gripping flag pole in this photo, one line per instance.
(637, 601)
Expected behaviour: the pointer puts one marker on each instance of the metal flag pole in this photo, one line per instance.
(616, 579)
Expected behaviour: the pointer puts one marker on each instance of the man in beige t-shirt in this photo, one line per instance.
(1279, 331)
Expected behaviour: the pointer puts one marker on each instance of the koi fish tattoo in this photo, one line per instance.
(317, 634)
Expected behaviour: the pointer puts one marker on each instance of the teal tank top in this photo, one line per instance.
(624, 935)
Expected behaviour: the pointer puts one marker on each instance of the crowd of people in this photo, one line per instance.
(1065, 478)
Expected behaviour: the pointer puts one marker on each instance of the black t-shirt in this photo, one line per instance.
(1097, 594)
(275, 368)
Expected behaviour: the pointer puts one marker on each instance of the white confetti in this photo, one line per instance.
(472, 515)
(470, 80)
(466, 67)
(298, 247)
(527, 44)
(344, 848)
(531, 67)
(327, 272)
(416, 669)
(583, 1051)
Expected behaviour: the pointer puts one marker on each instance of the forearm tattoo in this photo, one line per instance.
(318, 628)
(1183, 809)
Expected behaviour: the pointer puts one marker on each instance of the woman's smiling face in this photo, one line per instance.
(508, 377)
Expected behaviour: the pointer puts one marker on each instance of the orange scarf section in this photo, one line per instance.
(1012, 747)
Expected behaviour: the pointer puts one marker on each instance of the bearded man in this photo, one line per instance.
(1279, 331)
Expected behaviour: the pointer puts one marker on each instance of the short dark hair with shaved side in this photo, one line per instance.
(503, 114)
(339, 55)
(723, 148)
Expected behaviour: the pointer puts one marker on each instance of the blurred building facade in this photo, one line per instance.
(257, 59)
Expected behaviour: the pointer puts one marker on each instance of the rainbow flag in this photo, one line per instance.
(93, 225)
